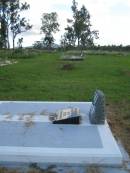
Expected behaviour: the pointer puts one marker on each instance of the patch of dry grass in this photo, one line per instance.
(31, 170)
(5, 170)
(93, 169)
(119, 120)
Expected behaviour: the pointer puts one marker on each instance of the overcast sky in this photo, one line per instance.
(110, 17)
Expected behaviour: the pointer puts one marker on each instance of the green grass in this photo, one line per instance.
(41, 78)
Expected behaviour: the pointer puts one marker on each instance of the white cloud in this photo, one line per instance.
(107, 16)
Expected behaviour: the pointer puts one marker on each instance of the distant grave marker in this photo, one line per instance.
(79, 57)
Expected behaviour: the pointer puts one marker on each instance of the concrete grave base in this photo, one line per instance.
(73, 58)
(28, 136)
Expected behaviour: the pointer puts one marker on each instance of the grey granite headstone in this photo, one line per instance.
(97, 112)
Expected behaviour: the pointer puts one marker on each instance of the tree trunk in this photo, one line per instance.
(13, 41)
(3, 25)
(78, 42)
(8, 44)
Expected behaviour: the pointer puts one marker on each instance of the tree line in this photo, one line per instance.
(77, 32)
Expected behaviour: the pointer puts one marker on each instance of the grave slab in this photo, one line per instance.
(28, 136)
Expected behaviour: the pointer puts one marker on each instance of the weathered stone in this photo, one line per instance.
(97, 112)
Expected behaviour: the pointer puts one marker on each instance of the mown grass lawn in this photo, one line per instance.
(41, 78)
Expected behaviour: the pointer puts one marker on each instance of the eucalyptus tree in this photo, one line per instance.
(19, 43)
(49, 27)
(18, 24)
(82, 33)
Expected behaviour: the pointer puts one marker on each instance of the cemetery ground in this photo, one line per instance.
(42, 78)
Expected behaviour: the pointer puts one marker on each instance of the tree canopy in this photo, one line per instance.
(78, 32)
(49, 26)
(78, 29)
